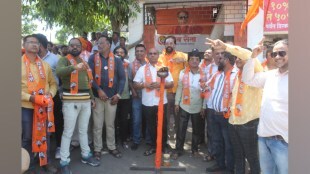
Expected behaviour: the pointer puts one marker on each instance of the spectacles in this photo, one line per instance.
(183, 17)
(153, 53)
(75, 45)
(33, 43)
(280, 53)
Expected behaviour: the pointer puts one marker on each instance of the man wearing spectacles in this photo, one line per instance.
(37, 81)
(77, 97)
(273, 124)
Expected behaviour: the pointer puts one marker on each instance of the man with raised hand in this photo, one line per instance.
(221, 85)
(273, 124)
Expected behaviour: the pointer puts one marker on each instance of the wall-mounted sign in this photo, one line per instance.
(276, 16)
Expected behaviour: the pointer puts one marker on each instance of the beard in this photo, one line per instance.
(221, 67)
(169, 49)
(75, 53)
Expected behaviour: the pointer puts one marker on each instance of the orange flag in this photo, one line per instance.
(253, 11)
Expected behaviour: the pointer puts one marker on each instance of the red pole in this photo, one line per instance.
(160, 125)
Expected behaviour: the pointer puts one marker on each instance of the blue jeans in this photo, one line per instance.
(137, 122)
(273, 155)
(136, 119)
(223, 149)
(27, 121)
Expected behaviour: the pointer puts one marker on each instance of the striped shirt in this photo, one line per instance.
(216, 99)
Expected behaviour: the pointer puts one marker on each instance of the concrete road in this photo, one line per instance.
(112, 165)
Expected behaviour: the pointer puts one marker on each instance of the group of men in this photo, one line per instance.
(92, 95)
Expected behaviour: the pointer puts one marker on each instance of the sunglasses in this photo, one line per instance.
(280, 53)
(183, 17)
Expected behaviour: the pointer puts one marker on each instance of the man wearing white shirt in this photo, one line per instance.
(147, 80)
(115, 40)
(221, 84)
(273, 124)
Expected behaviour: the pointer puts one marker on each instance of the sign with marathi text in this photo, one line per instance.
(276, 16)
(185, 43)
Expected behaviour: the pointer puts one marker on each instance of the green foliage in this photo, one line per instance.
(28, 16)
(62, 35)
(85, 15)
(28, 26)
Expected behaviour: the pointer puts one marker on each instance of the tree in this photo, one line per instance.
(28, 26)
(28, 16)
(86, 15)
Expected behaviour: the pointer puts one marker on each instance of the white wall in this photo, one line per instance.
(135, 29)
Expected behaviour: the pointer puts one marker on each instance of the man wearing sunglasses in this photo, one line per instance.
(273, 125)
(184, 27)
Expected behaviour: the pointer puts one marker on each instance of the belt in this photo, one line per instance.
(276, 137)
(218, 113)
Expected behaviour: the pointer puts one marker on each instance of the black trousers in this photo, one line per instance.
(58, 118)
(151, 113)
(122, 119)
(210, 144)
(223, 149)
(197, 126)
(244, 140)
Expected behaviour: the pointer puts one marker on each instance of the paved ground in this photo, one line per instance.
(112, 165)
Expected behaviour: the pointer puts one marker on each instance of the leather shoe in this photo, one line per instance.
(134, 146)
(50, 168)
(215, 168)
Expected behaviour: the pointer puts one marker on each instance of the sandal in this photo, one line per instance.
(195, 154)
(149, 152)
(115, 153)
(97, 155)
(208, 158)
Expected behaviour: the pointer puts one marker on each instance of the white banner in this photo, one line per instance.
(185, 43)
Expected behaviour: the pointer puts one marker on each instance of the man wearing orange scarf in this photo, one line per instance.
(189, 102)
(221, 85)
(108, 86)
(38, 88)
(76, 78)
(147, 80)
(175, 61)
(269, 63)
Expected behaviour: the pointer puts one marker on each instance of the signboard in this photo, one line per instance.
(276, 16)
(185, 43)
